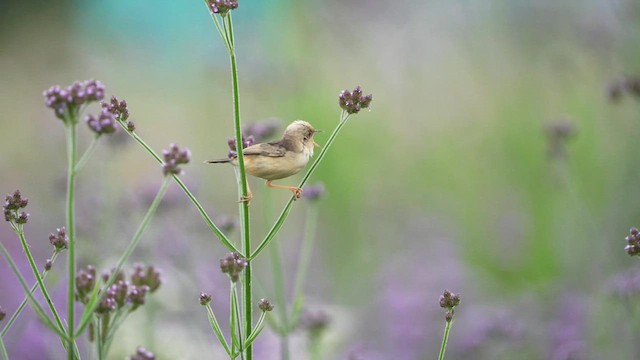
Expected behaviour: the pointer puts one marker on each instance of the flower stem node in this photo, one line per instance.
(354, 101)
(205, 299)
(233, 264)
(173, 158)
(265, 305)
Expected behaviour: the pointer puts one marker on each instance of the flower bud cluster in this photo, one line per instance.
(12, 205)
(233, 264)
(261, 130)
(222, 7)
(449, 301)
(105, 123)
(72, 97)
(59, 240)
(265, 305)
(246, 142)
(633, 242)
(142, 354)
(354, 101)
(173, 158)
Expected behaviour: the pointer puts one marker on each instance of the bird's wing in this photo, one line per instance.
(273, 149)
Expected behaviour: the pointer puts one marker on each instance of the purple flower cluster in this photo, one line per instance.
(222, 7)
(59, 240)
(314, 192)
(105, 123)
(265, 305)
(117, 108)
(354, 101)
(12, 205)
(149, 276)
(85, 282)
(233, 264)
(72, 97)
(173, 158)
(142, 354)
(315, 322)
(260, 131)
(633, 242)
(246, 142)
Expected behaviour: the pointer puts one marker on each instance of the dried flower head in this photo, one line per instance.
(72, 97)
(173, 158)
(205, 299)
(222, 7)
(12, 205)
(142, 354)
(314, 192)
(48, 264)
(265, 305)
(149, 276)
(105, 123)
(59, 240)
(85, 282)
(2, 313)
(633, 242)
(354, 101)
(449, 301)
(233, 264)
(131, 127)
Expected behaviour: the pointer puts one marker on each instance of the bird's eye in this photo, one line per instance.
(306, 138)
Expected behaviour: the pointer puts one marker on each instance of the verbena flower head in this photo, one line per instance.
(222, 7)
(137, 296)
(232, 265)
(314, 192)
(173, 158)
(72, 97)
(261, 130)
(85, 282)
(149, 276)
(118, 108)
(449, 301)
(246, 142)
(105, 123)
(142, 354)
(354, 101)
(59, 239)
(205, 299)
(265, 305)
(633, 242)
(12, 205)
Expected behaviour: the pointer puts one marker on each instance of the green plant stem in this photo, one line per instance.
(3, 350)
(34, 268)
(95, 300)
(287, 208)
(34, 304)
(243, 187)
(256, 330)
(216, 329)
(87, 155)
(71, 229)
(445, 338)
(22, 305)
(223, 238)
(303, 265)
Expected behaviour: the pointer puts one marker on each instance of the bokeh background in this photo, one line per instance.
(457, 177)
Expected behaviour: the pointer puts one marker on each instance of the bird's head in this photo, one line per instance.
(303, 132)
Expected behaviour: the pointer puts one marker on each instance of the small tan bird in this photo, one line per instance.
(279, 159)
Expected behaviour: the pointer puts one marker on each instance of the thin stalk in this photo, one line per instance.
(256, 330)
(18, 311)
(71, 230)
(244, 205)
(303, 265)
(287, 208)
(217, 330)
(34, 268)
(278, 282)
(3, 350)
(445, 338)
(34, 304)
(235, 308)
(223, 238)
(218, 27)
(95, 300)
(87, 155)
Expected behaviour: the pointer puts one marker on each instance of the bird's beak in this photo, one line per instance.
(315, 131)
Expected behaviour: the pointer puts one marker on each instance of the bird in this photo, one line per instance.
(278, 159)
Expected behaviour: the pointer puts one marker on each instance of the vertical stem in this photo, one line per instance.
(244, 205)
(303, 264)
(3, 350)
(445, 338)
(71, 231)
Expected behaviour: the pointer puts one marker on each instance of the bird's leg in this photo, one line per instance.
(249, 196)
(297, 192)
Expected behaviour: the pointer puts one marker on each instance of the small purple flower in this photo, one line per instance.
(205, 299)
(233, 264)
(633, 242)
(262, 130)
(353, 101)
(174, 157)
(222, 7)
(314, 192)
(72, 97)
(315, 322)
(105, 123)
(137, 296)
(149, 276)
(449, 301)
(85, 282)
(246, 142)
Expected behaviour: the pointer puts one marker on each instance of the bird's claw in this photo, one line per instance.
(297, 193)
(246, 199)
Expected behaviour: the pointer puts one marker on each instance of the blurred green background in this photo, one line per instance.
(448, 182)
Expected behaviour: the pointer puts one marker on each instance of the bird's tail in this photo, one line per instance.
(218, 161)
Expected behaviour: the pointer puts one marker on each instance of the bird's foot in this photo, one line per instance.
(297, 192)
(246, 199)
